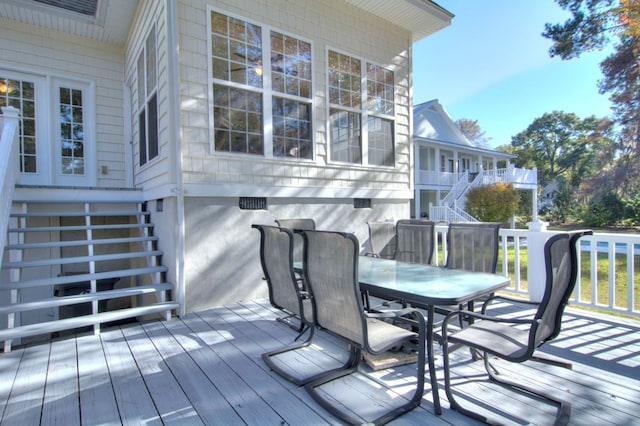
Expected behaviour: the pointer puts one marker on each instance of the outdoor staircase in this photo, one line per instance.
(68, 265)
(451, 207)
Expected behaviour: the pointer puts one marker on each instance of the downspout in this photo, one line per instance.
(174, 96)
(412, 151)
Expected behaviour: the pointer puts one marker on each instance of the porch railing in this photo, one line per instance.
(8, 164)
(606, 271)
(519, 177)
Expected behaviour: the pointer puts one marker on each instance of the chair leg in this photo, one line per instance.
(564, 407)
(348, 417)
(356, 355)
(301, 381)
(287, 320)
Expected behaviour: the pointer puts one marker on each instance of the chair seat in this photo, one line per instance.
(500, 339)
(383, 336)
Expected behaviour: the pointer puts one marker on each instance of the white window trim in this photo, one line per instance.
(364, 113)
(266, 91)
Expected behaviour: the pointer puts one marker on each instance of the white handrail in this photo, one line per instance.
(8, 164)
(618, 252)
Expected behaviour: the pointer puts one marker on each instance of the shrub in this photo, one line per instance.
(493, 203)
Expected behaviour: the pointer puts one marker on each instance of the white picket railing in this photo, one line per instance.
(614, 292)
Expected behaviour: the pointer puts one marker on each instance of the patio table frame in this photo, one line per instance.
(425, 287)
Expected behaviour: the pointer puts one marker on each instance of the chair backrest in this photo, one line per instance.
(297, 239)
(559, 280)
(276, 256)
(473, 246)
(331, 273)
(414, 241)
(574, 252)
(382, 239)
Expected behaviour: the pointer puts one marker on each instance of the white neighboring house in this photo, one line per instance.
(211, 115)
(447, 166)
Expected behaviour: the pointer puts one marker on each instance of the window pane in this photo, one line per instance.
(291, 128)
(152, 127)
(236, 50)
(142, 137)
(21, 95)
(345, 136)
(344, 80)
(290, 65)
(238, 120)
(379, 90)
(380, 136)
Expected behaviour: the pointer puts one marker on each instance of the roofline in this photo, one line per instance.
(472, 148)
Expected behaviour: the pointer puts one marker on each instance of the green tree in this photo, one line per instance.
(493, 203)
(593, 25)
(559, 143)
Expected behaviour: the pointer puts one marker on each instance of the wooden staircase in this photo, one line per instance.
(68, 265)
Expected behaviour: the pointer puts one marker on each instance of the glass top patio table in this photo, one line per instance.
(424, 285)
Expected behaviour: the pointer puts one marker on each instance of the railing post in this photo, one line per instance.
(536, 239)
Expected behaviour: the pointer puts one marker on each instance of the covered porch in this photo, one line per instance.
(205, 368)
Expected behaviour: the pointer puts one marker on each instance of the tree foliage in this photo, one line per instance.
(562, 144)
(593, 25)
(493, 203)
(472, 131)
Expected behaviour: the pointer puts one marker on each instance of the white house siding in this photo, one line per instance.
(221, 249)
(157, 172)
(33, 50)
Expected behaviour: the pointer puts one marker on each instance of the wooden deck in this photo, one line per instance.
(206, 369)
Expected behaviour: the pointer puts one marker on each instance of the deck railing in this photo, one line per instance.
(606, 271)
(9, 131)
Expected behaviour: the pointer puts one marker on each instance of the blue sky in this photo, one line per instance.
(492, 65)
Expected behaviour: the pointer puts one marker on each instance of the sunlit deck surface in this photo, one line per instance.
(206, 369)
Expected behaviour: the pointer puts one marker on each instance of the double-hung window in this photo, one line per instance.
(361, 111)
(148, 100)
(262, 94)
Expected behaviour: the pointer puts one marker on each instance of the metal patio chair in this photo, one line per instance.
(516, 339)
(331, 272)
(276, 257)
(414, 241)
(382, 239)
(294, 224)
(471, 246)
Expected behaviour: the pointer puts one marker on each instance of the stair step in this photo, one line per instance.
(99, 241)
(82, 227)
(80, 213)
(84, 320)
(43, 282)
(80, 259)
(85, 297)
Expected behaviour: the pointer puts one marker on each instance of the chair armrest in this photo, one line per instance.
(509, 299)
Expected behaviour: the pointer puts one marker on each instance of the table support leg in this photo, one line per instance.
(431, 361)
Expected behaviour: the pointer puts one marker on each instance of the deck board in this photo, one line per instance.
(97, 398)
(206, 368)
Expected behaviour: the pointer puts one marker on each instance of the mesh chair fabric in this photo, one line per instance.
(473, 246)
(414, 241)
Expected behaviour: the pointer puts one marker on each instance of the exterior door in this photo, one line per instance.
(56, 128)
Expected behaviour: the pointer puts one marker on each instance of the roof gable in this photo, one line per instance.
(431, 121)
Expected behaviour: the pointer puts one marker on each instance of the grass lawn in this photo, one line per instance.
(621, 294)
